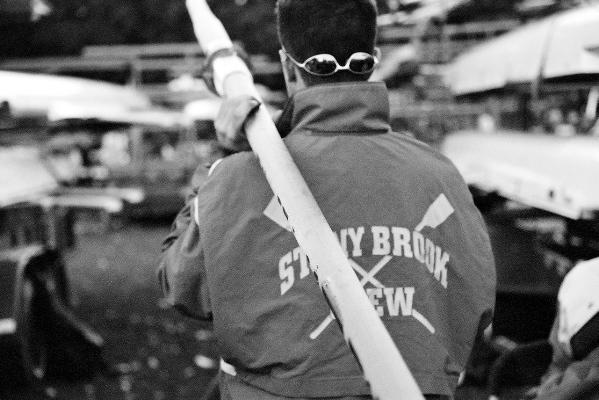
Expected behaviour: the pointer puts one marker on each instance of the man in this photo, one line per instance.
(401, 212)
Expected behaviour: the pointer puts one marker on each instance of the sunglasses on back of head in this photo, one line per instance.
(359, 63)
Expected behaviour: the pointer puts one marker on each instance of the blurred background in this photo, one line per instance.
(104, 116)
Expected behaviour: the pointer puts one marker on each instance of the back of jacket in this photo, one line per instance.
(405, 219)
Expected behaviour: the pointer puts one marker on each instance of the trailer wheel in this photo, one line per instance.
(34, 346)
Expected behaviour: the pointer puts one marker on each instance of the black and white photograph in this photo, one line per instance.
(299, 199)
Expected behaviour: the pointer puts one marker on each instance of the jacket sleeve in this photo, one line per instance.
(181, 272)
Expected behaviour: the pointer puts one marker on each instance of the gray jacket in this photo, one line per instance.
(402, 213)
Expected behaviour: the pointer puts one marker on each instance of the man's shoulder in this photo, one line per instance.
(235, 166)
(425, 156)
(236, 176)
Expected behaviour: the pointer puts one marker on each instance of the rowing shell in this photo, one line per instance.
(556, 174)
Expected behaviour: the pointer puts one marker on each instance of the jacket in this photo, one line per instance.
(403, 215)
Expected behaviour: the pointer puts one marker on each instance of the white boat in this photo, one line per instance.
(561, 46)
(34, 94)
(555, 174)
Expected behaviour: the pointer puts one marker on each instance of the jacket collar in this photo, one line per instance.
(361, 107)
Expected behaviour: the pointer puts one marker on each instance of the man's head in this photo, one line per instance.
(336, 27)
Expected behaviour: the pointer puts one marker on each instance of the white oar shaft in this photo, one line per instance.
(383, 366)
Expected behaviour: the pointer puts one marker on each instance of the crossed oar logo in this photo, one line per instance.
(438, 212)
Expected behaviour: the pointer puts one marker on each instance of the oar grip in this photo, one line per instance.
(208, 29)
(213, 37)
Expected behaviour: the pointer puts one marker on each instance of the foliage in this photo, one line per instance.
(77, 23)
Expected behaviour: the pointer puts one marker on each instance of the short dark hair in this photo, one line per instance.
(336, 27)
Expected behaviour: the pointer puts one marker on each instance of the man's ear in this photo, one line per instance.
(290, 73)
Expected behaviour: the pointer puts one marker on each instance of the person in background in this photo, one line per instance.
(401, 211)
(574, 370)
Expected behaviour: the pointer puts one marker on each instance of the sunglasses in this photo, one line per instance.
(326, 65)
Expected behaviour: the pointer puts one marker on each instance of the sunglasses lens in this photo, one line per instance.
(322, 64)
(361, 63)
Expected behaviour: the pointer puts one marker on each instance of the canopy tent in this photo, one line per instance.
(563, 45)
(556, 174)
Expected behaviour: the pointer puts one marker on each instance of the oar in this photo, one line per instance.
(436, 214)
(383, 366)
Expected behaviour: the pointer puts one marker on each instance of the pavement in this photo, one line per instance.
(153, 352)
